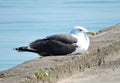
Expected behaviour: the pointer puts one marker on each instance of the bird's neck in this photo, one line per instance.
(81, 36)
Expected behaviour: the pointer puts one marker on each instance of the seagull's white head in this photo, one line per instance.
(82, 38)
(81, 30)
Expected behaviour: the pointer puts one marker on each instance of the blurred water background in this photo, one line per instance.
(22, 21)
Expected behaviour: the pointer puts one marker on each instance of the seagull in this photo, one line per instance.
(75, 42)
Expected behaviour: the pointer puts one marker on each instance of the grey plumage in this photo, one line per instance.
(60, 44)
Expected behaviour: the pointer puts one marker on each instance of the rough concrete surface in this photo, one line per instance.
(104, 52)
(106, 73)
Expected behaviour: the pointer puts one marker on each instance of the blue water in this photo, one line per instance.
(26, 20)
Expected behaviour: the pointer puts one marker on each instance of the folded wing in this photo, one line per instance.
(60, 44)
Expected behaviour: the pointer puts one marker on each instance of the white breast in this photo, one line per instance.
(83, 43)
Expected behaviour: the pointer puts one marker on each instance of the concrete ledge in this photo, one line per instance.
(106, 43)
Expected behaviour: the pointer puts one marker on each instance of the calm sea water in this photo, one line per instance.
(26, 20)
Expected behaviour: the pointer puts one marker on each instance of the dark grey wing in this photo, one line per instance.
(52, 47)
(65, 38)
(61, 44)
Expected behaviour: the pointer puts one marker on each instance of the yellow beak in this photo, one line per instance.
(91, 33)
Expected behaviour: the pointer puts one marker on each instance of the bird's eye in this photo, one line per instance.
(80, 29)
